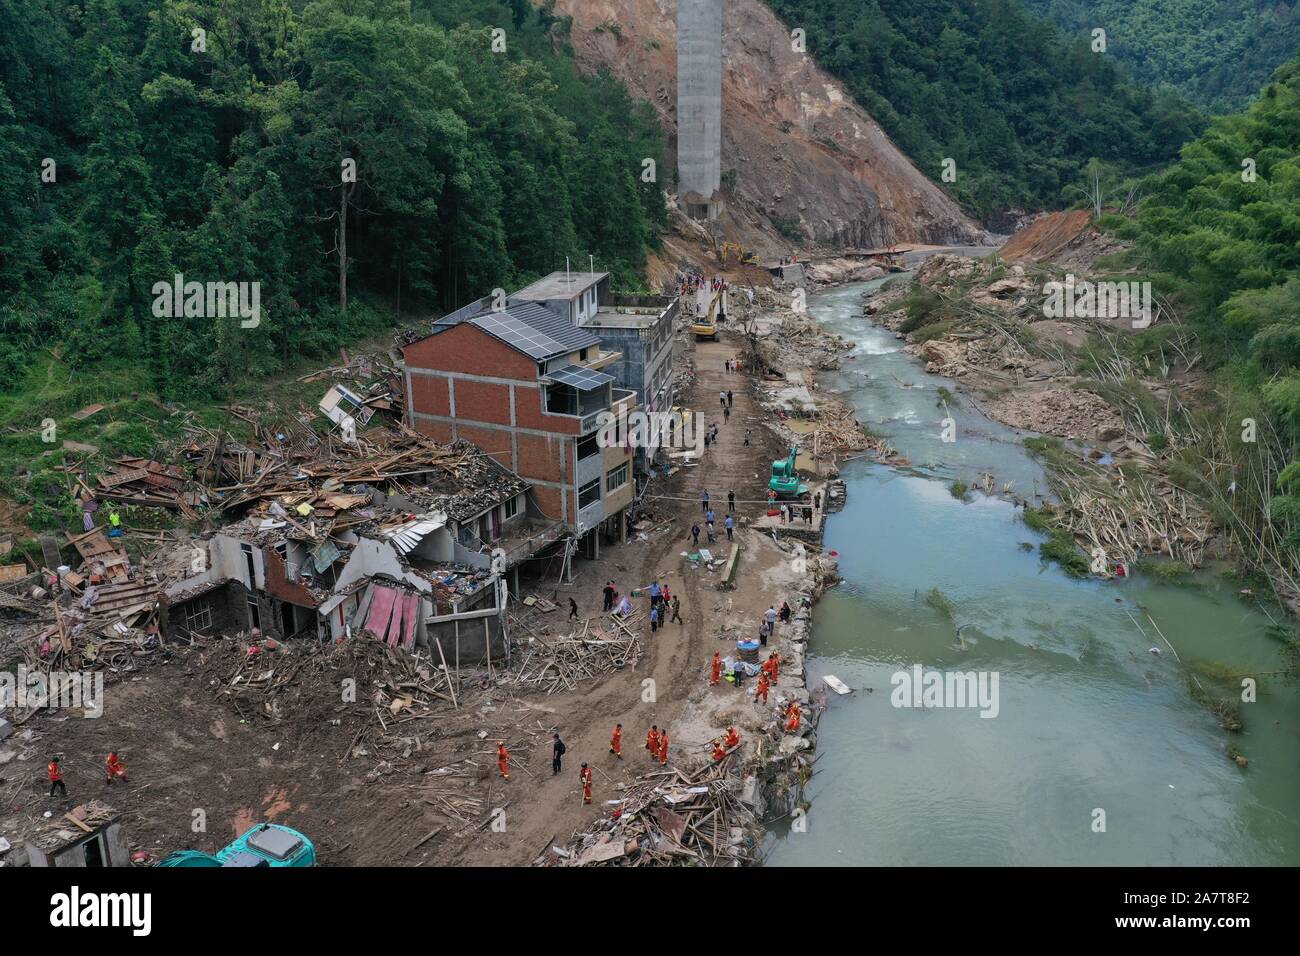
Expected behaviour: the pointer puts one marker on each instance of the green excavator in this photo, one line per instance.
(785, 480)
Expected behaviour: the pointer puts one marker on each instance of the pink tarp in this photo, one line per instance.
(393, 616)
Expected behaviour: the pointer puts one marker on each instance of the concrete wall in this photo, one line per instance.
(699, 96)
(112, 850)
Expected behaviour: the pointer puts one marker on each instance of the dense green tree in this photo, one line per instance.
(220, 156)
(1018, 107)
(1217, 53)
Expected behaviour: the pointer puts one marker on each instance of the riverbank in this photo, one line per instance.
(1106, 425)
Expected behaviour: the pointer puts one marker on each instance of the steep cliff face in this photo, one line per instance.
(799, 146)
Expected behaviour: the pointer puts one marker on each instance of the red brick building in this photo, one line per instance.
(527, 387)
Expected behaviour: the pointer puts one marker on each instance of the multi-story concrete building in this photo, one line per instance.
(528, 387)
(640, 328)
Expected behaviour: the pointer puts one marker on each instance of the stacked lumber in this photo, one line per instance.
(669, 818)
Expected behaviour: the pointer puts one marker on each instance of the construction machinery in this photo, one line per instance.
(266, 844)
(785, 480)
(732, 250)
(706, 326)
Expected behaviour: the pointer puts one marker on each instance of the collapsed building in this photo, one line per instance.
(409, 563)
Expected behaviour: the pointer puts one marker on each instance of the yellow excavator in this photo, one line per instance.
(706, 326)
(734, 250)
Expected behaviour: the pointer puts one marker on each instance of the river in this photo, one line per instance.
(1088, 718)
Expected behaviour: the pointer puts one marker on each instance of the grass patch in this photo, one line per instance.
(1169, 572)
(1228, 711)
(1060, 547)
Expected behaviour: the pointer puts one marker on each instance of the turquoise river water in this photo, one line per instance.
(1088, 718)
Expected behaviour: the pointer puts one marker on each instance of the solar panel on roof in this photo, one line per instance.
(506, 327)
(583, 379)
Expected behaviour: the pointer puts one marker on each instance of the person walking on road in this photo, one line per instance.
(573, 609)
(695, 535)
(677, 610)
(729, 524)
(584, 775)
(704, 501)
(609, 593)
(731, 501)
(503, 759)
(616, 741)
(557, 753)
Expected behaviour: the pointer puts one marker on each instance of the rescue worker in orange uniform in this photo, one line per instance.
(616, 742)
(792, 717)
(585, 776)
(719, 751)
(503, 759)
(652, 741)
(115, 767)
(663, 748)
(764, 685)
(715, 669)
(773, 666)
(56, 777)
(732, 738)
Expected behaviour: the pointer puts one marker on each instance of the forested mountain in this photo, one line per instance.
(208, 138)
(1020, 108)
(1220, 233)
(1217, 53)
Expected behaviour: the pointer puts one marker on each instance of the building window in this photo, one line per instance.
(247, 550)
(254, 614)
(588, 446)
(198, 615)
(616, 478)
(510, 508)
(589, 494)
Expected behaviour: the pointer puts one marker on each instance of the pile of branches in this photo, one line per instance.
(1132, 518)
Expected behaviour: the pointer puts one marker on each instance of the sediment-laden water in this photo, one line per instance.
(1088, 718)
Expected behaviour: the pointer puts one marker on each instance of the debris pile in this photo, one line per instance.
(671, 818)
(561, 664)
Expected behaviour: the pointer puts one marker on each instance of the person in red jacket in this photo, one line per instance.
(719, 751)
(503, 759)
(732, 738)
(652, 741)
(663, 748)
(764, 683)
(715, 669)
(616, 742)
(56, 777)
(115, 767)
(585, 776)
